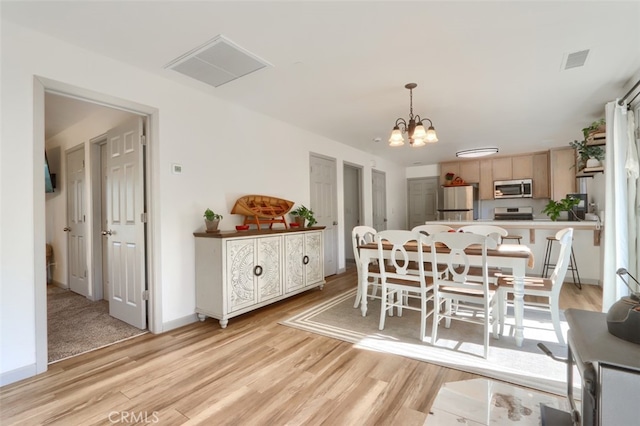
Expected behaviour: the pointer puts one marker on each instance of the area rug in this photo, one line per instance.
(459, 347)
(76, 325)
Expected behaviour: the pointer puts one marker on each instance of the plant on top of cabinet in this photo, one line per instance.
(554, 208)
(301, 213)
(211, 220)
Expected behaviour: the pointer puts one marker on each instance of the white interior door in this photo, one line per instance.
(422, 198)
(76, 223)
(352, 200)
(125, 224)
(379, 200)
(324, 206)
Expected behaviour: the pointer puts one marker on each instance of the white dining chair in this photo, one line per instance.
(361, 235)
(548, 288)
(496, 233)
(493, 231)
(475, 300)
(399, 284)
(430, 229)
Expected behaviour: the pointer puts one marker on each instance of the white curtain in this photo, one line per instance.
(620, 203)
(632, 168)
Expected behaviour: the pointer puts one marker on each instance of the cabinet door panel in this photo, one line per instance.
(485, 191)
(294, 268)
(541, 175)
(449, 167)
(501, 168)
(240, 277)
(470, 171)
(563, 172)
(522, 167)
(270, 278)
(313, 250)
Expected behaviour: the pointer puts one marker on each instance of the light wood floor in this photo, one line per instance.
(255, 372)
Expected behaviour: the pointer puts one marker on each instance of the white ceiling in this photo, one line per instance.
(488, 73)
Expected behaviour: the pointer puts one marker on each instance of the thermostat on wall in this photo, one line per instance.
(176, 168)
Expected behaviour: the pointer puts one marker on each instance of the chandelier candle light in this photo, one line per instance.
(418, 136)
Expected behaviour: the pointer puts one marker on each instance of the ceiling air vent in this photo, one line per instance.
(217, 62)
(575, 59)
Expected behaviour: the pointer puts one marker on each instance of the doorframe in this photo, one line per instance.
(95, 157)
(360, 183)
(152, 178)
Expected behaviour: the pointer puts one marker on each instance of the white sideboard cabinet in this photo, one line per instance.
(237, 272)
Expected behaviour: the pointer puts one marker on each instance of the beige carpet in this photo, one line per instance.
(459, 347)
(77, 325)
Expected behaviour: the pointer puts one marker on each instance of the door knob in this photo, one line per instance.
(108, 232)
(335, 222)
(67, 229)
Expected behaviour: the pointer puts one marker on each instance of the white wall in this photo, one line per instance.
(225, 151)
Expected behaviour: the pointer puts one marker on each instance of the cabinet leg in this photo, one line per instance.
(202, 317)
(223, 323)
(321, 286)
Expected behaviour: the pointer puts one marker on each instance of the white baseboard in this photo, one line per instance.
(18, 374)
(177, 323)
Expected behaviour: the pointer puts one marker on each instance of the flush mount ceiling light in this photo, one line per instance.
(476, 152)
(418, 136)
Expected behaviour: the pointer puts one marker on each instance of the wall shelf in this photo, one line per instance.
(589, 172)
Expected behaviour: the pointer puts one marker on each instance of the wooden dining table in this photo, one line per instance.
(515, 256)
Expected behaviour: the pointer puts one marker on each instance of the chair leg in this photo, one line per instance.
(449, 312)
(383, 306)
(486, 331)
(423, 317)
(374, 291)
(358, 297)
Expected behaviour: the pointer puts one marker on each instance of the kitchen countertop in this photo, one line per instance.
(531, 225)
(525, 224)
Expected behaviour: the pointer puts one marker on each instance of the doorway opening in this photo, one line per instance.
(88, 320)
(352, 207)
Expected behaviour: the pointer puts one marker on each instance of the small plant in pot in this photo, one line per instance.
(302, 214)
(588, 155)
(211, 220)
(554, 208)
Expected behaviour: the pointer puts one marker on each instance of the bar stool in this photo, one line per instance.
(547, 266)
(512, 237)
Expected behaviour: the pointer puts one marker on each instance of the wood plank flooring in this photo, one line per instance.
(255, 372)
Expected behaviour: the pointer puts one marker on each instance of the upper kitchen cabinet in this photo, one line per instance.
(467, 170)
(485, 190)
(540, 175)
(501, 168)
(562, 166)
(470, 171)
(522, 167)
(449, 167)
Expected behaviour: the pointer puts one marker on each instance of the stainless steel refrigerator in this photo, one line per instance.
(458, 203)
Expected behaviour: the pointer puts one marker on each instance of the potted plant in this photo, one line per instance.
(589, 155)
(598, 126)
(302, 214)
(211, 220)
(449, 177)
(554, 208)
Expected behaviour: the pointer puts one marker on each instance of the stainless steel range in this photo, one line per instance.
(513, 213)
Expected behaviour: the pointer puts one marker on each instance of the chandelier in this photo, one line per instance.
(418, 136)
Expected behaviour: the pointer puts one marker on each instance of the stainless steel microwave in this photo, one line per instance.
(521, 188)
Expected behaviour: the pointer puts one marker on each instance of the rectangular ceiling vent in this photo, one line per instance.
(217, 62)
(575, 59)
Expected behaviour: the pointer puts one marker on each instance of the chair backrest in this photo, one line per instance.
(394, 243)
(361, 235)
(432, 229)
(565, 237)
(493, 231)
(458, 262)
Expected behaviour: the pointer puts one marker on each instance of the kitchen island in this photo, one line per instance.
(586, 242)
